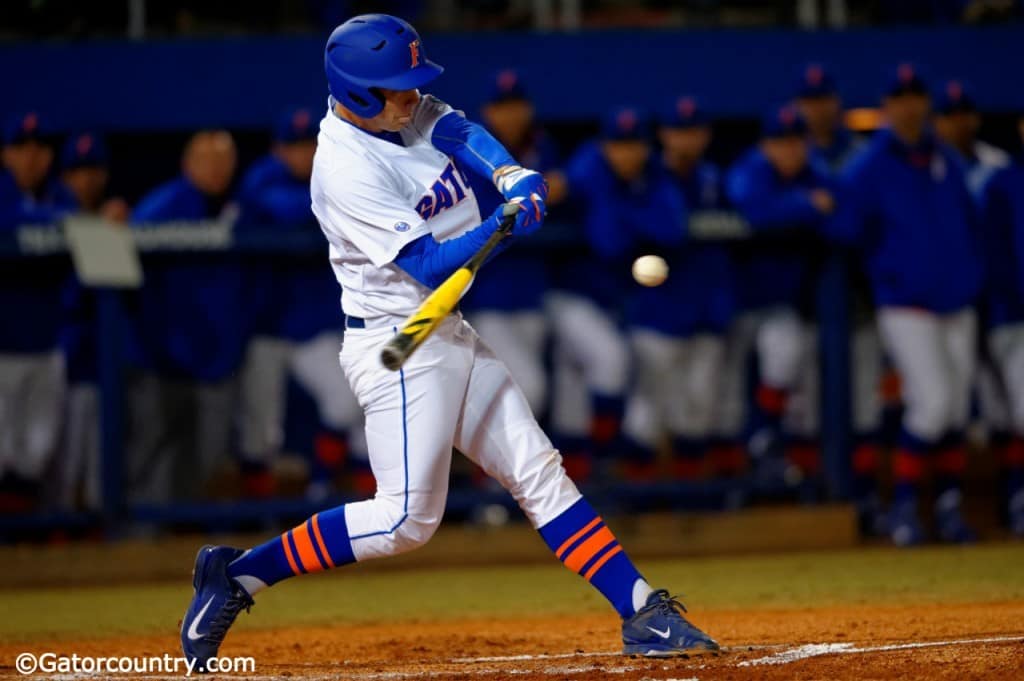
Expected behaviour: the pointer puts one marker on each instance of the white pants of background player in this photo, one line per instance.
(517, 338)
(314, 364)
(787, 359)
(452, 392)
(935, 357)
(1001, 383)
(676, 388)
(591, 356)
(79, 467)
(31, 410)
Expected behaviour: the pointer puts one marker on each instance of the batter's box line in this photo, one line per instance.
(808, 651)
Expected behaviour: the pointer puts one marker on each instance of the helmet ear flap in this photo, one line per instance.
(364, 102)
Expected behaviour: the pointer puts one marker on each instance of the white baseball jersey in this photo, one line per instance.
(373, 196)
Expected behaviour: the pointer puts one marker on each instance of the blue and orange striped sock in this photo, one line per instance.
(320, 543)
(586, 546)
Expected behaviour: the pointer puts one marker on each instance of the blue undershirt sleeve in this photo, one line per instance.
(470, 144)
(430, 262)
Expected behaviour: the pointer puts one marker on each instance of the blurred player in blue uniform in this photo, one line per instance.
(906, 205)
(832, 146)
(957, 123)
(786, 199)
(606, 182)
(511, 318)
(31, 366)
(191, 328)
(297, 328)
(84, 164)
(677, 329)
(1003, 310)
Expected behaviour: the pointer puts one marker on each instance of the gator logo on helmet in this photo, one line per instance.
(414, 51)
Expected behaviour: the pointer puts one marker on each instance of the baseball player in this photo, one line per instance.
(31, 366)
(190, 329)
(390, 189)
(84, 171)
(832, 146)
(785, 198)
(604, 183)
(957, 122)
(905, 204)
(676, 329)
(511, 319)
(1003, 309)
(297, 330)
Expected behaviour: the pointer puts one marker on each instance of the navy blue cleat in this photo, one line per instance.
(215, 604)
(659, 630)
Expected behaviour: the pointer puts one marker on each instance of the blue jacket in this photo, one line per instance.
(191, 320)
(777, 265)
(299, 297)
(30, 288)
(1003, 241)
(844, 148)
(698, 295)
(909, 212)
(523, 263)
(617, 222)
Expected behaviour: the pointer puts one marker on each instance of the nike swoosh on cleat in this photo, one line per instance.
(193, 632)
(663, 634)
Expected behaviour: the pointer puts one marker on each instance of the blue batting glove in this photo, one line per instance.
(527, 188)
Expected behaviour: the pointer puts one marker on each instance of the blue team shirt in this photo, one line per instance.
(1003, 241)
(192, 319)
(777, 265)
(909, 212)
(30, 288)
(300, 296)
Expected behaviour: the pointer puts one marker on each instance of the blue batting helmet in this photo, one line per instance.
(375, 51)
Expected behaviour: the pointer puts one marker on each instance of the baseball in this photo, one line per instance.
(650, 270)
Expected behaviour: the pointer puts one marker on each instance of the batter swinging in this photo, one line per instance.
(400, 185)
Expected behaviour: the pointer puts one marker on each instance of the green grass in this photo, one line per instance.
(933, 575)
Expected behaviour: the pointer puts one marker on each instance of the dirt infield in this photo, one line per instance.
(955, 641)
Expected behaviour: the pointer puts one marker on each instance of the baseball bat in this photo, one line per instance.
(418, 327)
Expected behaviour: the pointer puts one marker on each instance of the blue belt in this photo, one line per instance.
(354, 322)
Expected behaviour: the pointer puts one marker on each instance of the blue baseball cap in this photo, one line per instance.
(816, 81)
(24, 127)
(685, 112)
(507, 86)
(297, 125)
(84, 150)
(625, 124)
(906, 80)
(954, 98)
(783, 121)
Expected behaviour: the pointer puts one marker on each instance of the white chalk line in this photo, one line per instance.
(818, 649)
